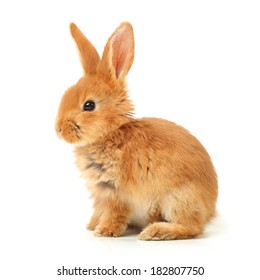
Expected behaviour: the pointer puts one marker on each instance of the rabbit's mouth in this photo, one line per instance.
(69, 131)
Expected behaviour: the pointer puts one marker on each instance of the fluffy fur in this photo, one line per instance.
(149, 173)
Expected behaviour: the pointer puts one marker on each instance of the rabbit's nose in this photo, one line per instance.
(58, 130)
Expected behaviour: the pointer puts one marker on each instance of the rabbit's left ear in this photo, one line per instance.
(118, 54)
(88, 54)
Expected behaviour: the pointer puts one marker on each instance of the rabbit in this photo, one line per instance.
(148, 173)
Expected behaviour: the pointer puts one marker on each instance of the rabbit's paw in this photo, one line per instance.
(90, 226)
(108, 232)
(157, 231)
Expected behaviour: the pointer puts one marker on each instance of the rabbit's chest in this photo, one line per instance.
(99, 170)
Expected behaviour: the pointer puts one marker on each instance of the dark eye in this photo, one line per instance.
(89, 105)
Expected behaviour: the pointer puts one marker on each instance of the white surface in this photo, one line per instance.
(197, 63)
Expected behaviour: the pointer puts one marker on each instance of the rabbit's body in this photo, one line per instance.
(152, 168)
(149, 173)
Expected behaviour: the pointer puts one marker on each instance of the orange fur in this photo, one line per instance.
(149, 173)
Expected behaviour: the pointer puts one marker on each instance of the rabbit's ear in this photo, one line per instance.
(118, 54)
(88, 55)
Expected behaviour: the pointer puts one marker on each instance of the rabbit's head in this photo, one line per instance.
(98, 103)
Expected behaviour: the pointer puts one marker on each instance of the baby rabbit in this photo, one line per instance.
(148, 173)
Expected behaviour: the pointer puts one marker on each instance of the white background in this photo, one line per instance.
(197, 63)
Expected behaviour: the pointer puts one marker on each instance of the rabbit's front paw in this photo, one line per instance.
(109, 231)
(90, 226)
(92, 223)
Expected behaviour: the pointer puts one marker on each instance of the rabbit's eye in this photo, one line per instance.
(89, 105)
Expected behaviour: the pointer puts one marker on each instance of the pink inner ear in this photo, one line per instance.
(120, 47)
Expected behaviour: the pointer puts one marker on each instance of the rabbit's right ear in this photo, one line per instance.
(118, 54)
(88, 54)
